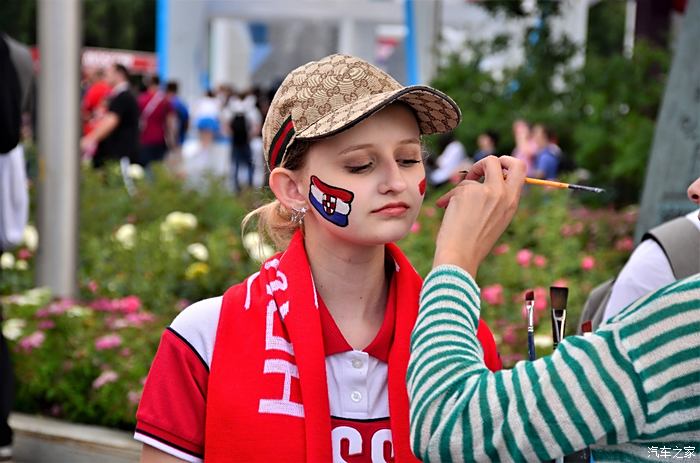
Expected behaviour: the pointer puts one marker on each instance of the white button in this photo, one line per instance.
(357, 363)
(356, 396)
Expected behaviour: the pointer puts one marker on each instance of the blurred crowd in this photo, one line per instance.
(218, 134)
(535, 144)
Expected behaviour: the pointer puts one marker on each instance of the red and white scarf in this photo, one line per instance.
(267, 396)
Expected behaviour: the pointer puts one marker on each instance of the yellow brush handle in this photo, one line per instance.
(537, 181)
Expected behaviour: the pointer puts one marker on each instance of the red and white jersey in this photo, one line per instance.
(171, 415)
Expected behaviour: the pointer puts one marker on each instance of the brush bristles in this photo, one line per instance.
(558, 296)
(530, 296)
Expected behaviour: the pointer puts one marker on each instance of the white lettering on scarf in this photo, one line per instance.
(282, 406)
(272, 341)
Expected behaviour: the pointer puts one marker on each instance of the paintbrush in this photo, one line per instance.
(558, 296)
(529, 305)
(553, 184)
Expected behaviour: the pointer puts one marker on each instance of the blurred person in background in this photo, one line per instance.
(116, 135)
(157, 122)
(668, 252)
(548, 154)
(207, 106)
(450, 161)
(94, 104)
(199, 155)
(179, 125)
(244, 122)
(486, 143)
(16, 99)
(525, 147)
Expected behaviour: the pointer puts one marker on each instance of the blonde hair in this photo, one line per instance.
(274, 220)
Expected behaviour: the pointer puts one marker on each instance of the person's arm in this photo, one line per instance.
(586, 391)
(529, 413)
(107, 124)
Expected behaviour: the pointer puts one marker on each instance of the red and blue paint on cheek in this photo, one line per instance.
(421, 187)
(331, 202)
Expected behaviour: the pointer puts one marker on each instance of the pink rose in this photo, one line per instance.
(523, 257)
(624, 244)
(93, 286)
(130, 304)
(415, 228)
(134, 397)
(500, 249)
(106, 377)
(587, 263)
(493, 294)
(31, 342)
(539, 261)
(24, 254)
(510, 335)
(429, 211)
(109, 341)
(46, 324)
(540, 299)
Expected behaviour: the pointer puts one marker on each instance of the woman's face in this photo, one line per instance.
(365, 185)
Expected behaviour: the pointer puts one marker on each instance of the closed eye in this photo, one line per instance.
(359, 169)
(409, 162)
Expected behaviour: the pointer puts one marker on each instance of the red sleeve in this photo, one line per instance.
(173, 405)
(491, 357)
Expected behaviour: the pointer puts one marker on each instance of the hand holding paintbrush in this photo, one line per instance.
(484, 209)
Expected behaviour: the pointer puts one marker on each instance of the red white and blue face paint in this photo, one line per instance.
(331, 202)
(421, 187)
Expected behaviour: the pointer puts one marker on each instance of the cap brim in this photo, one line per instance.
(435, 112)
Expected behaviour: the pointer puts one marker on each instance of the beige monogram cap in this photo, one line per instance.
(324, 97)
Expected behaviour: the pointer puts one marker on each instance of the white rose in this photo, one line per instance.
(261, 253)
(31, 237)
(126, 235)
(78, 311)
(21, 265)
(251, 240)
(7, 260)
(198, 251)
(12, 329)
(135, 171)
(181, 221)
(189, 220)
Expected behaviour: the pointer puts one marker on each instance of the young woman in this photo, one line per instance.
(306, 359)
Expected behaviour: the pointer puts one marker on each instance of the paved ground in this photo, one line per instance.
(45, 440)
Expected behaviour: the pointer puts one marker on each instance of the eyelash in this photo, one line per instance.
(403, 162)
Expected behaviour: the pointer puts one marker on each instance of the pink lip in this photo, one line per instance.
(392, 209)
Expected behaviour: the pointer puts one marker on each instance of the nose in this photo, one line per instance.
(694, 191)
(393, 180)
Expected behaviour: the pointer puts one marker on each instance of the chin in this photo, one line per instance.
(383, 235)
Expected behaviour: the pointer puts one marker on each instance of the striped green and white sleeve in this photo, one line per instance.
(586, 392)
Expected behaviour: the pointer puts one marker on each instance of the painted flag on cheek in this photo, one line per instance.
(331, 202)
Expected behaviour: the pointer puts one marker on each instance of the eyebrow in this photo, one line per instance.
(407, 141)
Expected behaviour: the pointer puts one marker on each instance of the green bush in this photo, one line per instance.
(85, 359)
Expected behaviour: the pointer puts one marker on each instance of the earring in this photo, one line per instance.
(298, 215)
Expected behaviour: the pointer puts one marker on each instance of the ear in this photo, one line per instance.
(288, 187)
